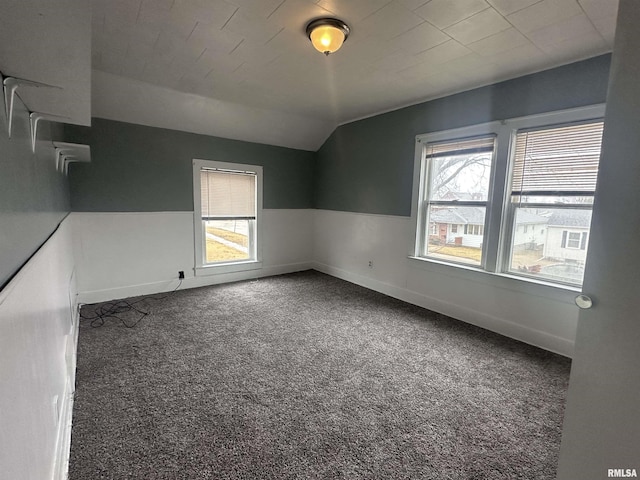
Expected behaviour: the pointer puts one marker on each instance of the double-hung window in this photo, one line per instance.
(511, 197)
(227, 200)
(553, 182)
(453, 198)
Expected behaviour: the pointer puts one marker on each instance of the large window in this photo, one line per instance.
(510, 197)
(227, 199)
(456, 189)
(553, 181)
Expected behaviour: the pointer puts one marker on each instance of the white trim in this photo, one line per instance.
(524, 334)
(152, 288)
(218, 268)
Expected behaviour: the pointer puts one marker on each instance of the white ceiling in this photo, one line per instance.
(245, 69)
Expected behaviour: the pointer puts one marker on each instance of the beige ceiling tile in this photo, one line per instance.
(143, 34)
(412, 4)
(518, 59)
(122, 11)
(296, 14)
(158, 4)
(354, 10)
(599, 8)
(506, 7)
(168, 44)
(498, 43)
(213, 12)
(397, 61)
(444, 52)
(444, 13)
(203, 36)
(607, 28)
(359, 49)
(419, 38)
(249, 25)
(544, 13)
(139, 51)
(574, 27)
(479, 26)
(577, 47)
(291, 42)
(432, 59)
(255, 54)
(261, 8)
(217, 64)
(389, 22)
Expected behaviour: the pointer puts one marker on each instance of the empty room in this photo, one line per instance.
(317, 239)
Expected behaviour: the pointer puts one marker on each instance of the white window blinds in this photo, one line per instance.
(227, 194)
(561, 161)
(466, 146)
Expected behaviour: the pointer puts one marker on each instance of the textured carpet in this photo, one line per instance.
(306, 376)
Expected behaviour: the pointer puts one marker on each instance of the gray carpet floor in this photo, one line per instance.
(305, 376)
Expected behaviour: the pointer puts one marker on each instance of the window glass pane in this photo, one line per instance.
(460, 174)
(554, 246)
(456, 233)
(227, 240)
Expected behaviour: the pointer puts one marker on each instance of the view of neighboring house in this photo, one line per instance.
(462, 226)
(560, 235)
(530, 232)
(568, 236)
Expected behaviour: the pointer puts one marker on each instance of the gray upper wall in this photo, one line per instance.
(367, 166)
(135, 168)
(34, 197)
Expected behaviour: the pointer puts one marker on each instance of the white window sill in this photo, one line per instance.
(501, 280)
(231, 267)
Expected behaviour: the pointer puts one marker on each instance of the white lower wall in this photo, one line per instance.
(38, 333)
(122, 254)
(125, 254)
(345, 243)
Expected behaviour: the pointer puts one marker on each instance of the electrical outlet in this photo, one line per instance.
(370, 263)
(180, 275)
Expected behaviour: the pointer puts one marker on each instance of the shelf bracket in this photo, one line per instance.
(34, 119)
(10, 87)
(67, 153)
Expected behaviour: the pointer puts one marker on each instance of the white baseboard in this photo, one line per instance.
(498, 325)
(97, 296)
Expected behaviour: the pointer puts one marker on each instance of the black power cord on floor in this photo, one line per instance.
(114, 309)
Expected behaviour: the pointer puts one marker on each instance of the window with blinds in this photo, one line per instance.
(457, 179)
(510, 196)
(557, 162)
(553, 184)
(227, 195)
(228, 205)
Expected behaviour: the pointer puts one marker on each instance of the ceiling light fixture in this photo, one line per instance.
(327, 34)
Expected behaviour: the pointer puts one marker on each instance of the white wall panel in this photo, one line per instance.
(37, 354)
(123, 254)
(537, 314)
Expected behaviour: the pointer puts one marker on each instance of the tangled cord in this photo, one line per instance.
(119, 307)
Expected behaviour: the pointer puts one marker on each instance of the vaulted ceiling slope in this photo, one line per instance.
(245, 69)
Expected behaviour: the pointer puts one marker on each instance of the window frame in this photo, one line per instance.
(255, 247)
(500, 214)
(420, 202)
